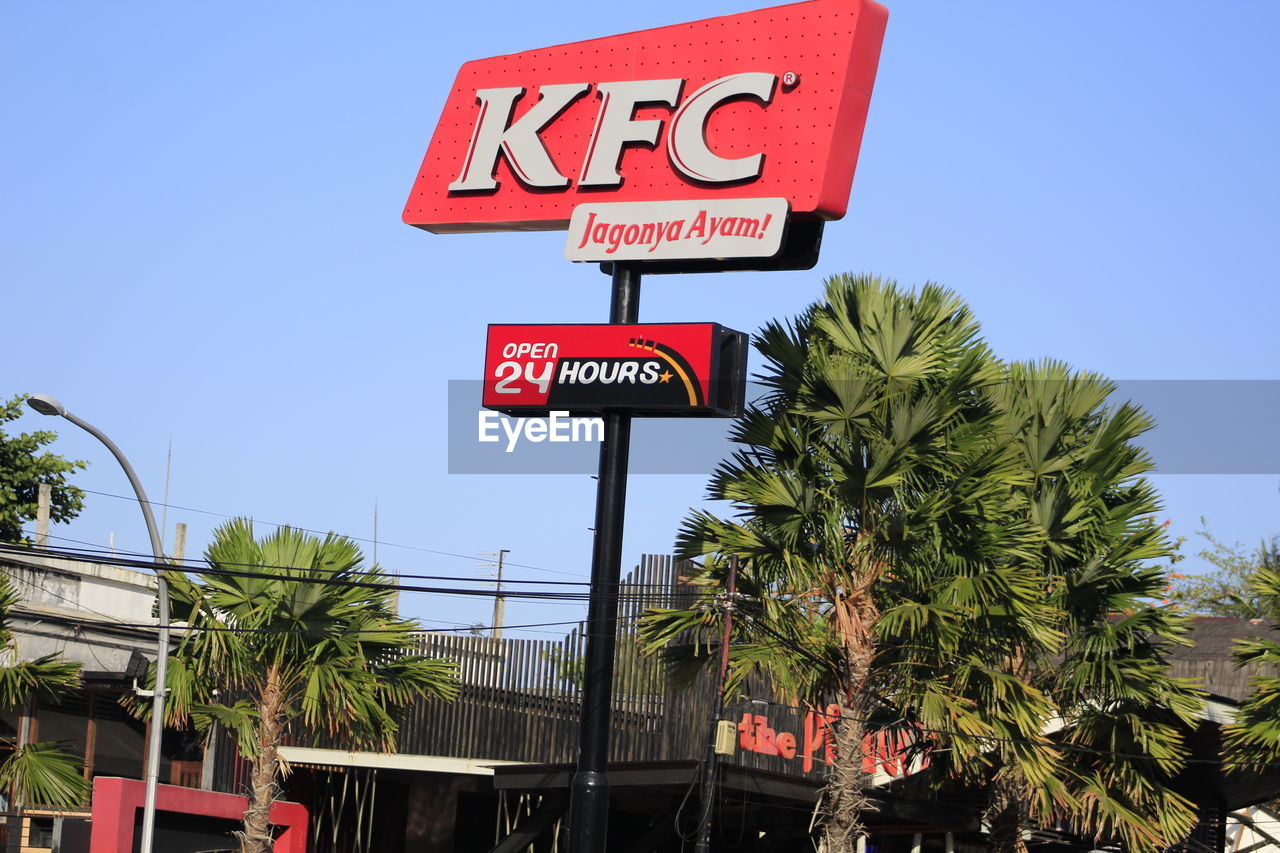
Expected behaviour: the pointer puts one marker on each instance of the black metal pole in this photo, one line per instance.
(589, 791)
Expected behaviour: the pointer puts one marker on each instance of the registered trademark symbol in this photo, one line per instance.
(790, 80)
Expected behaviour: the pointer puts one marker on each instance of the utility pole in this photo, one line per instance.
(44, 498)
(499, 600)
(179, 543)
(711, 758)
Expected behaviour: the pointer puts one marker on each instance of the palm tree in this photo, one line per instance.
(301, 634)
(956, 548)
(1122, 714)
(879, 543)
(1253, 738)
(35, 772)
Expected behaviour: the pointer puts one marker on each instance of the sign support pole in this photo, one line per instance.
(589, 790)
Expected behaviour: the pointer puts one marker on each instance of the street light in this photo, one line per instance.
(46, 405)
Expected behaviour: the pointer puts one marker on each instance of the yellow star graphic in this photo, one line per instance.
(665, 376)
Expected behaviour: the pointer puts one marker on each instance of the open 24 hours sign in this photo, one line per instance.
(693, 369)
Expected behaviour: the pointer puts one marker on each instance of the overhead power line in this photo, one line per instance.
(228, 629)
(357, 580)
(146, 562)
(379, 542)
(112, 622)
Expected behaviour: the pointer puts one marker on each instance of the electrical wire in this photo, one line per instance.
(351, 581)
(110, 621)
(458, 627)
(31, 582)
(93, 546)
(146, 562)
(322, 532)
(113, 623)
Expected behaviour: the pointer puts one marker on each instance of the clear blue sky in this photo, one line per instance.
(200, 243)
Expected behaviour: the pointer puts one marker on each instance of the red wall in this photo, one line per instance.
(116, 803)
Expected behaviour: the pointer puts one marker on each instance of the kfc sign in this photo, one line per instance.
(765, 104)
(496, 135)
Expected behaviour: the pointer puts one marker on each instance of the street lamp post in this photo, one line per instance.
(46, 405)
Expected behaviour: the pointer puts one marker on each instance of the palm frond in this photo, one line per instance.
(43, 774)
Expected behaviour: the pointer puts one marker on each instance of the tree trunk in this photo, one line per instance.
(1007, 808)
(845, 796)
(1006, 815)
(257, 836)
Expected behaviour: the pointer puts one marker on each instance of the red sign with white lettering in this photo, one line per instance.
(646, 368)
(765, 104)
(885, 755)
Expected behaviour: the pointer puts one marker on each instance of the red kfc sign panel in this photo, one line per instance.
(765, 104)
(695, 369)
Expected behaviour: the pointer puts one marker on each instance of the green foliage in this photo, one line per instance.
(45, 776)
(1253, 739)
(1228, 590)
(39, 773)
(1245, 585)
(23, 468)
(950, 545)
(295, 634)
(44, 678)
(319, 620)
(1123, 713)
